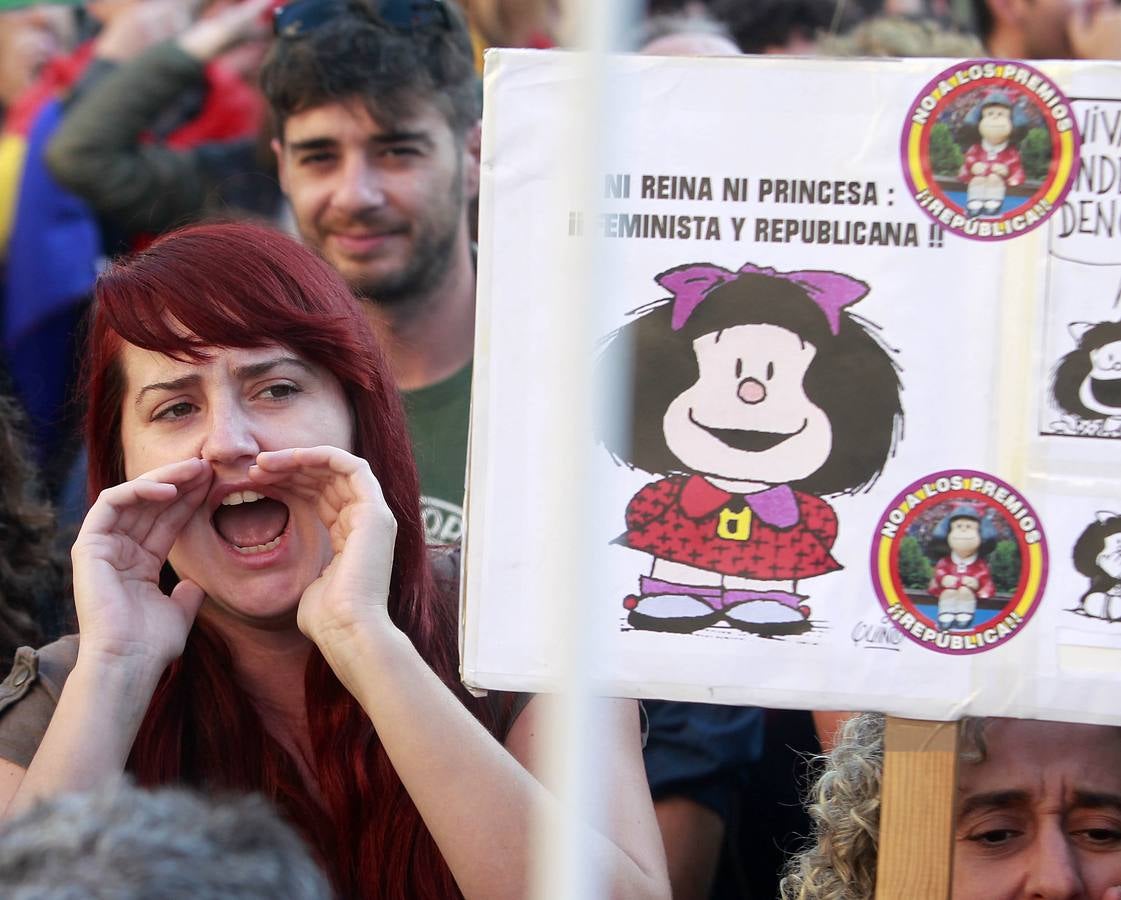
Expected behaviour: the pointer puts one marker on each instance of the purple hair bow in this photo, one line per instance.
(831, 291)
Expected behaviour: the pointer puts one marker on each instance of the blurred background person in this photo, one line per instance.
(1049, 29)
(120, 842)
(512, 23)
(783, 26)
(113, 148)
(903, 36)
(29, 39)
(55, 242)
(694, 33)
(34, 567)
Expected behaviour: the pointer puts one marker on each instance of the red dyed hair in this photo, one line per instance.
(243, 285)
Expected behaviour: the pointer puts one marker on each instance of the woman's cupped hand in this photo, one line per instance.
(348, 600)
(122, 545)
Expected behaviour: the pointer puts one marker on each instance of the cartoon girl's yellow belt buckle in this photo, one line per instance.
(734, 526)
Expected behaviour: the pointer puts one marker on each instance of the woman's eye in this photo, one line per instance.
(1099, 837)
(770, 371)
(279, 391)
(995, 837)
(739, 368)
(175, 411)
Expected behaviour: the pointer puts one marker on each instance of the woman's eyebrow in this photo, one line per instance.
(993, 800)
(174, 385)
(257, 369)
(1097, 799)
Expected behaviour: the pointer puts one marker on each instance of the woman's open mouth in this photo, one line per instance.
(250, 522)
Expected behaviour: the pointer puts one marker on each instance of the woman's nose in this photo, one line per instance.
(751, 390)
(1054, 868)
(229, 436)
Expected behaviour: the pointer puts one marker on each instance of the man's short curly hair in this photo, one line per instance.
(355, 56)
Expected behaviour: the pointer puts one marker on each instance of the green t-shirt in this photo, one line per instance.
(438, 418)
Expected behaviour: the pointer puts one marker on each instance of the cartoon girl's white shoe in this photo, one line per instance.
(768, 617)
(681, 613)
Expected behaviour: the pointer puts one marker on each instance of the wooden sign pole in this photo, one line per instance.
(917, 810)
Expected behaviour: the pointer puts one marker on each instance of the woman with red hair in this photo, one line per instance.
(256, 602)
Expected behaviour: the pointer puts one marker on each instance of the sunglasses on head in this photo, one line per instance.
(295, 19)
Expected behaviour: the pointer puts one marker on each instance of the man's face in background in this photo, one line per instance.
(384, 202)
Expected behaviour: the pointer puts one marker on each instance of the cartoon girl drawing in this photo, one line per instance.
(1097, 555)
(961, 542)
(1087, 381)
(754, 394)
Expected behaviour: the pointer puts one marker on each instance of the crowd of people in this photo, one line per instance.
(237, 267)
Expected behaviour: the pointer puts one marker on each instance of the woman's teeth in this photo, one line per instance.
(237, 498)
(241, 497)
(260, 548)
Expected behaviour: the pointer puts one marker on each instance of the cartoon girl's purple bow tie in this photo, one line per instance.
(690, 284)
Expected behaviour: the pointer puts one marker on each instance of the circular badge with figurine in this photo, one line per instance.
(959, 562)
(990, 148)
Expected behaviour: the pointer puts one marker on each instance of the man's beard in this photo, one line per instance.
(424, 269)
(427, 264)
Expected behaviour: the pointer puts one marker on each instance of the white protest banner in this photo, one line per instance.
(863, 320)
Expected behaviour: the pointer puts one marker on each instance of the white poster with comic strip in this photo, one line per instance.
(867, 316)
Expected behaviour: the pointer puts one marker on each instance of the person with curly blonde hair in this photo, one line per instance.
(844, 807)
(1038, 814)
